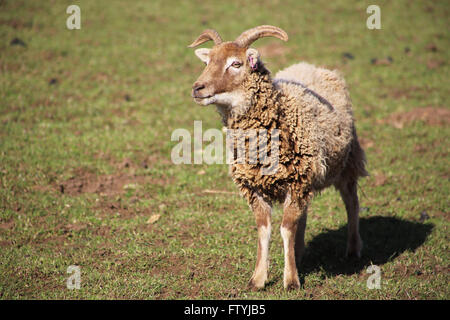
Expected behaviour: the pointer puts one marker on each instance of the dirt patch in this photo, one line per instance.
(49, 55)
(91, 183)
(10, 67)
(142, 160)
(431, 47)
(16, 23)
(43, 102)
(433, 147)
(54, 241)
(380, 180)
(8, 225)
(273, 50)
(382, 61)
(5, 243)
(366, 143)
(120, 98)
(107, 185)
(399, 93)
(100, 77)
(430, 115)
(104, 231)
(435, 63)
(441, 214)
(115, 208)
(74, 227)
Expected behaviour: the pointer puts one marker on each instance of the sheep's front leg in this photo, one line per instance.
(262, 211)
(293, 232)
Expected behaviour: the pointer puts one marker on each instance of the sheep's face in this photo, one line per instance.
(227, 66)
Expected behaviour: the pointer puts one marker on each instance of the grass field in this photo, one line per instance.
(86, 177)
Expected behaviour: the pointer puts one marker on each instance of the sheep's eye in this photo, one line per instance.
(236, 64)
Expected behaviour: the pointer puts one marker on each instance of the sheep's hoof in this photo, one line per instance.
(291, 283)
(295, 285)
(254, 285)
(354, 248)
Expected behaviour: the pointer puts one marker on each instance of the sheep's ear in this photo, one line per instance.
(203, 54)
(253, 58)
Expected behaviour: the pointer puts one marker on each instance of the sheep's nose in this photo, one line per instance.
(196, 88)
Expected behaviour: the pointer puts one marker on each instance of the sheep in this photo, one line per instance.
(318, 145)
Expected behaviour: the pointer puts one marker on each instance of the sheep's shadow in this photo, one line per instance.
(384, 238)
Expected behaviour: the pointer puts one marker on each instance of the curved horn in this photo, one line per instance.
(208, 34)
(248, 37)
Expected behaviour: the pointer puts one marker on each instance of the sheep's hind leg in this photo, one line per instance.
(292, 231)
(262, 211)
(349, 195)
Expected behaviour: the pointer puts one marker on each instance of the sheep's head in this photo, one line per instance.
(228, 64)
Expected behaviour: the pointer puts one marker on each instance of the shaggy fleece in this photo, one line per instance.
(312, 110)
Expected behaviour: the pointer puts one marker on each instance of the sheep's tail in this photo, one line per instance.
(357, 158)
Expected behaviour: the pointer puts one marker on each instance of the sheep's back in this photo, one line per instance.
(326, 83)
(321, 117)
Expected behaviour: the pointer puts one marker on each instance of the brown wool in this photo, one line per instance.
(316, 143)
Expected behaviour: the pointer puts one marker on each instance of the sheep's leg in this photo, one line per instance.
(262, 211)
(300, 238)
(350, 197)
(292, 231)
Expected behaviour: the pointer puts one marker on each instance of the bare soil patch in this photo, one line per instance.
(380, 180)
(107, 185)
(441, 214)
(273, 50)
(434, 146)
(399, 93)
(430, 115)
(366, 143)
(8, 225)
(116, 208)
(435, 63)
(91, 183)
(5, 243)
(16, 23)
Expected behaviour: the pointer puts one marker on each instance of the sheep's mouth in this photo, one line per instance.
(201, 98)
(206, 100)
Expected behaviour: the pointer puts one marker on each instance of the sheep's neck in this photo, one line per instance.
(261, 95)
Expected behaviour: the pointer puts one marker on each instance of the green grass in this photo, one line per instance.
(123, 85)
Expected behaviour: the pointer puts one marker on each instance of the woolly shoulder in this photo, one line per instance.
(329, 84)
(300, 72)
(310, 75)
